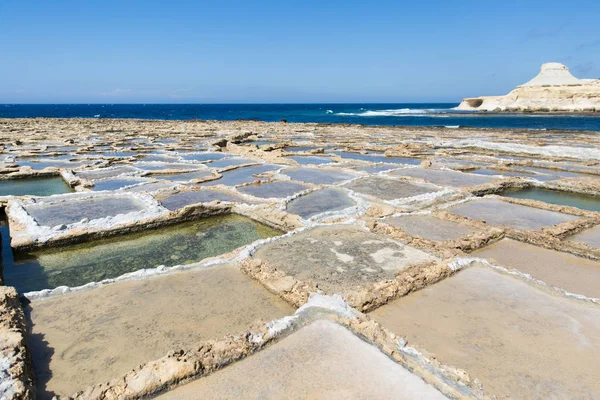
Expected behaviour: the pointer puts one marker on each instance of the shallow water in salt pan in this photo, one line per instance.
(34, 187)
(242, 175)
(182, 199)
(320, 201)
(317, 176)
(582, 201)
(108, 258)
(280, 189)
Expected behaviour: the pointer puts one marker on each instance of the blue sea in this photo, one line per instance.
(403, 114)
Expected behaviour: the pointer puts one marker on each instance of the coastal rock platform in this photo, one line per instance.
(190, 259)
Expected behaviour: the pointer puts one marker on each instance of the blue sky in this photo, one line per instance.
(286, 51)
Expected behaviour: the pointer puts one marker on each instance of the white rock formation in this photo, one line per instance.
(553, 89)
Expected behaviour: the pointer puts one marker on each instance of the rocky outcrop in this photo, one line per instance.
(554, 89)
(16, 372)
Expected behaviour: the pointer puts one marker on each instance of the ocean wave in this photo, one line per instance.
(401, 112)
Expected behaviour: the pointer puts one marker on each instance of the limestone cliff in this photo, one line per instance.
(554, 89)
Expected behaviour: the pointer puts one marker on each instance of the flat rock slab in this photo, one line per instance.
(340, 257)
(566, 271)
(498, 212)
(320, 201)
(521, 342)
(388, 189)
(431, 228)
(591, 237)
(444, 177)
(321, 361)
(89, 337)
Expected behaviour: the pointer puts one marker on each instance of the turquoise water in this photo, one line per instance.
(582, 201)
(409, 114)
(34, 187)
(102, 259)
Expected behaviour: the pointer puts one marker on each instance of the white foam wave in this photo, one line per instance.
(400, 112)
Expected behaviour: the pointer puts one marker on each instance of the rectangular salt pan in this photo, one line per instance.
(321, 360)
(566, 271)
(320, 201)
(273, 189)
(444, 177)
(498, 212)
(430, 228)
(340, 257)
(317, 176)
(387, 189)
(591, 237)
(521, 342)
(242, 175)
(76, 210)
(182, 199)
(109, 258)
(582, 201)
(103, 333)
(34, 187)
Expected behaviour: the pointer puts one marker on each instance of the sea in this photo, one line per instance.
(400, 114)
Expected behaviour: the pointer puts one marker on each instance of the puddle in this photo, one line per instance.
(320, 201)
(317, 176)
(566, 271)
(108, 258)
(279, 190)
(387, 189)
(340, 257)
(300, 366)
(182, 199)
(377, 158)
(74, 211)
(242, 175)
(582, 201)
(315, 160)
(431, 228)
(591, 237)
(520, 342)
(103, 333)
(444, 177)
(498, 212)
(184, 177)
(34, 187)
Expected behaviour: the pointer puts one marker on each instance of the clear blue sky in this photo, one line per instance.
(109, 51)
